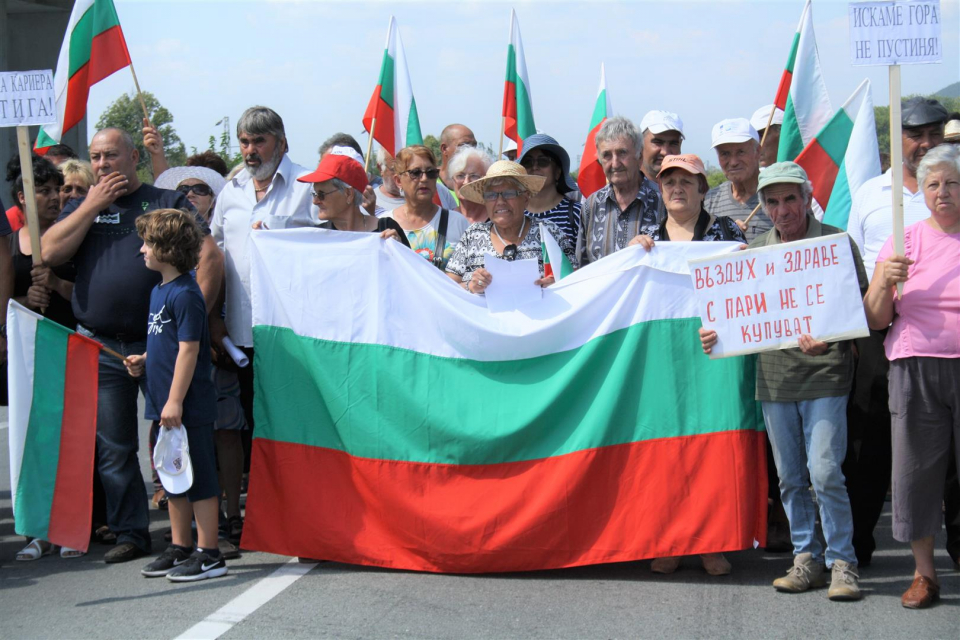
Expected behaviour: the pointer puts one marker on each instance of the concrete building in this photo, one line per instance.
(31, 32)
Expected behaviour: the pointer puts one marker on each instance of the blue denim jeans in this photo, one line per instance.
(118, 442)
(809, 440)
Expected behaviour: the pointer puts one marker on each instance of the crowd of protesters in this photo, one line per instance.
(851, 419)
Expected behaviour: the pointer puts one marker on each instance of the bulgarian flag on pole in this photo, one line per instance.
(517, 99)
(586, 427)
(93, 48)
(392, 104)
(827, 153)
(555, 261)
(52, 374)
(590, 178)
(802, 93)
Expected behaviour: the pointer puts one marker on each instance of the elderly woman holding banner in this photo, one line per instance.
(683, 185)
(509, 233)
(923, 346)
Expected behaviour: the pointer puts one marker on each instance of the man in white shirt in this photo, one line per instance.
(267, 194)
(867, 467)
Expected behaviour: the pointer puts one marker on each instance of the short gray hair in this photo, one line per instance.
(340, 185)
(806, 192)
(124, 135)
(340, 140)
(458, 162)
(945, 154)
(619, 127)
(381, 158)
(261, 121)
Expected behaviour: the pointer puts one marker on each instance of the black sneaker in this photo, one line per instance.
(172, 556)
(199, 566)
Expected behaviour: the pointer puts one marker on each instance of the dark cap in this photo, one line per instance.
(920, 111)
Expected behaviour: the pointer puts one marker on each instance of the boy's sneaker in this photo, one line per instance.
(172, 556)
(806, 573)
(845, 582)
(199, 566)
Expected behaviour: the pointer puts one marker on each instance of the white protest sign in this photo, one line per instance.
(26, 98)
(902, 32)
(766, 298)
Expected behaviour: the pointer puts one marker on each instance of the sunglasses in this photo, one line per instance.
(510, 252)
(416, 174)
(318, 196)
(540, 163)
(199, 189)
(491, 196)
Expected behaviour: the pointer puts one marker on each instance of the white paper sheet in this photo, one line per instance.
(512, 283)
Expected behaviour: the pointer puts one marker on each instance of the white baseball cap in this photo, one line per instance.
(660, 121)
(171, 457)
(733, 130)
(761, 116)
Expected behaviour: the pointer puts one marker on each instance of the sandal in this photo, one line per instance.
(67, 552)
(35, 550)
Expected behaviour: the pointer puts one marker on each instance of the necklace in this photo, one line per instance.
(261, 189)
(519, 237)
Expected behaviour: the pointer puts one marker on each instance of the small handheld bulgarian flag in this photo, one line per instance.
(93, 49)
(392, 104)
(590, 178)
(52, 375)
(517, 100)
(555, 262)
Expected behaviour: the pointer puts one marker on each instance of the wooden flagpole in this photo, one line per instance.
(136, 83)
(896, 163)
(29, 194)
(366, 159)
(503, 126)
(762, 140)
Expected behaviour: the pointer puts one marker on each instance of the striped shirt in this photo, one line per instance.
(720, 202)
(605, 228)
(565, 215)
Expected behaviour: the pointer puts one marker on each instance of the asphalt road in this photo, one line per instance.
(264, 596)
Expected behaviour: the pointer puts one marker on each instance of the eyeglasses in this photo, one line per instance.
(199, 189)
(416, 174)
(465, 177)
(318, 196)
(511, 194)
(510, 252)
(541, 162)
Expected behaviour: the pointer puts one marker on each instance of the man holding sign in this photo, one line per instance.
(803, 392)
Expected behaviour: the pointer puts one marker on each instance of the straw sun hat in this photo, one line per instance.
(497, 171)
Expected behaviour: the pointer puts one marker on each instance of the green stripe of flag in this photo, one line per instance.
(791, 141)
(338, 396)
(835, 137)
(414, 135)
(599, 110)
(794, 47)
(97, 19)
(386, 79)
(41, 455)
(838, 208)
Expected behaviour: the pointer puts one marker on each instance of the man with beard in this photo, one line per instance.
(267, 195)
(111, 300)
(868, 462)
(662, 133)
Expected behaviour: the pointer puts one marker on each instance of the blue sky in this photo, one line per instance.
(316, 63)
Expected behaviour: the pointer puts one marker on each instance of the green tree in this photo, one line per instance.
(125, 113)
(433, 143)
(715, 177)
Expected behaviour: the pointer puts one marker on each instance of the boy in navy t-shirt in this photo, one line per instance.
(179, 381)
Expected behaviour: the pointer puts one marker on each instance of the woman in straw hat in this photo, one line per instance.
(508, 234)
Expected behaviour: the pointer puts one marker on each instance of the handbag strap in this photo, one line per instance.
(441, 239)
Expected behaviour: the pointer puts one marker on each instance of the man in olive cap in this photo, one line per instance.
(803, 394)
(867, 467)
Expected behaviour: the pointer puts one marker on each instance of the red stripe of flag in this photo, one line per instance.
(783, 90)
(510, 114)
(591, 178)
(72, 507)
(821, 170)
(108, 54)
(384, 132)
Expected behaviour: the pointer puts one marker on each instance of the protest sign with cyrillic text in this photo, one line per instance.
(885, 33)
(27, 98)
(766, 298)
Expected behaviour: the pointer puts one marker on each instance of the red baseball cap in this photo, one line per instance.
(341, 167)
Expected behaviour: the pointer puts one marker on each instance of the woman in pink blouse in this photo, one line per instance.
(923, 346)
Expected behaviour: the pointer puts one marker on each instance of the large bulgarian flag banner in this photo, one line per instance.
(400, 424)
(93, 49)
(392, 104)
(52, 374)
(802, 93)
(591, 178)
(517, 112)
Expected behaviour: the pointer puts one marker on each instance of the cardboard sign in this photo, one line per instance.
(766, 298)
(903, 32)
(27, 97)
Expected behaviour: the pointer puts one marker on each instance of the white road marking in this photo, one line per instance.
(234, 612)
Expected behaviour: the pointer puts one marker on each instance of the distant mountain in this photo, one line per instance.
(951, 91)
